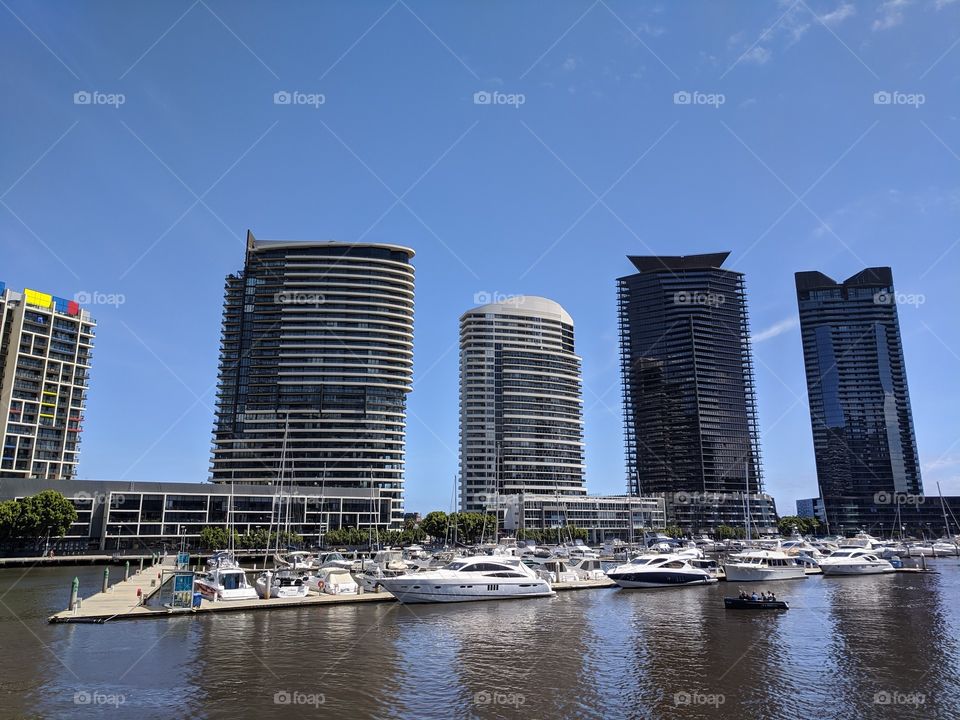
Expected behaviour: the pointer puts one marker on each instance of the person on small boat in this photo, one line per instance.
(753, 596)
(772, 597)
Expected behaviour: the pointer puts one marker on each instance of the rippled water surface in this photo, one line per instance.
(872, 647)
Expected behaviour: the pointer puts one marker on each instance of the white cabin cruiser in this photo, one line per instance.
(656, 571)
(479, 577)
(763, 566)
(588, 568)
(852, 561)
(281, 584)
(225, 583)
(333, 581)
(556, 569)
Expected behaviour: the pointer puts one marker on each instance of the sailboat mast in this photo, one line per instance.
(746, 478)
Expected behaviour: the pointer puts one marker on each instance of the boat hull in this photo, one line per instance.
(738, 604)
(659, 579)
(854, 570)
(747, 573)
(430, 591)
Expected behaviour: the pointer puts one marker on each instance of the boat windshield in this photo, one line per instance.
(454, 566)
(232, 581)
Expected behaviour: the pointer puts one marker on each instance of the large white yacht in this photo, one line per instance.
(224, 579)
(480, 577)
(656, 571)
(853, 561)
(763, 566)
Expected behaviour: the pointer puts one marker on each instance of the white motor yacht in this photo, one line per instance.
(763, 566)
(225, 583)
(333, 581)
(852, 561)
(332, 559)
(557, 569)
(656, 571)
(282, 584)
(479, 577)
(224, 579)
(588, 568)
(385, 564)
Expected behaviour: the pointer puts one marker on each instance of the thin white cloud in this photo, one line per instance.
(570, 64)
(778, 328)
(758, 55)
(891, 14)
(837, 16)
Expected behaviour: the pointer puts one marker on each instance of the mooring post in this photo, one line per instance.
(141, 563)
(126, 571)
(74, 589)
(106, 578)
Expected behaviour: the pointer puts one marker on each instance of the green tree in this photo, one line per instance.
(46, 513)
(673, 531)
(9, 513)
(727, 532)
(435, 524)
(214, 538)
(804, 525)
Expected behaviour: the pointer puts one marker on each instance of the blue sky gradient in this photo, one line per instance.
(800, 167)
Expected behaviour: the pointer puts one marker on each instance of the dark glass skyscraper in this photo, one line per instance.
(689, 403)
(315, 364)
(857, 385)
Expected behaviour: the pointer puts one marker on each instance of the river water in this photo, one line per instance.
(874, 647)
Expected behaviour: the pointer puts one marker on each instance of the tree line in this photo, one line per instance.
(46, 514)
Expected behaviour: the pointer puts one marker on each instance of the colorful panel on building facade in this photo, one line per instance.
(38, 299)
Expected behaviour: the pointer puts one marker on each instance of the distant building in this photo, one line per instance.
(521, 406)
(688, 389)
(604, 517)
(46, 345)
(863, 435)
(118, 515)
(316, 362)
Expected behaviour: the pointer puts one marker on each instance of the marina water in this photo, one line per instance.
(868, 647)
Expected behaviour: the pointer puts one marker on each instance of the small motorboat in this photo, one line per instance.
(735, 603)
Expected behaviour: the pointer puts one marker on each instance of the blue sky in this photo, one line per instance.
(784, 155)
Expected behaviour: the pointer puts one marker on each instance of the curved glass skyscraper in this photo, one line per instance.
(521, 408)
(315, 364)
(863, 434)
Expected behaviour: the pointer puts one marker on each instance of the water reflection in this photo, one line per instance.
(602, 653)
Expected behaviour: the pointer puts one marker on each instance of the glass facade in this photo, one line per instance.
(860, 412)
(315, 365)
(688, 392)
(521, 407)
